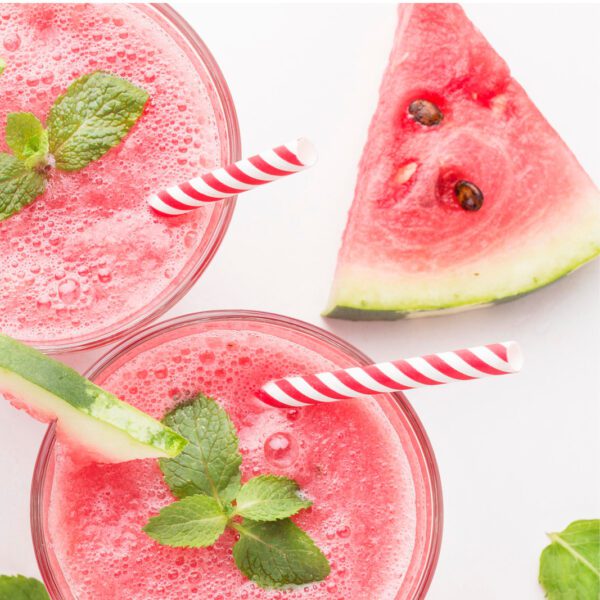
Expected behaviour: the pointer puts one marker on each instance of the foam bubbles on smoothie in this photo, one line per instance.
(44, 302)
(69, 291)
(11, 41)
(281, 449)
(96, 223)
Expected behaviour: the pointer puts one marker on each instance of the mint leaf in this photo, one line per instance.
(2, 65)
(17, 587)
(93, 116)
(278, 554)
(193, 522)
(269, 498)
(570, 565)
(210, 463)
(19, 186)
(27, 138)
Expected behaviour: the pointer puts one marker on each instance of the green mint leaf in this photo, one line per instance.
(278, 554)
(570, 565)
(269, 498)
(27, 138)
(19, 186)
(18, 587)
(2, 65)
(210, 463)
(93, 116)
(194, 522)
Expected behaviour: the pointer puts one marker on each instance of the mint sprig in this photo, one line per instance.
(27, 138)
(2, 65)
(18, 587)
(570, 565)
(19, 185)
(210, 463)
(272, 550)
(193, 522)
(269, 498)
(278, 554)
(91, 117)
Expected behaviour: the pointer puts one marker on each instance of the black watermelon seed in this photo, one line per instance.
(425, 112)
(469, 196)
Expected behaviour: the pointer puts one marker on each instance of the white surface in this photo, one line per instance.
(518, 455)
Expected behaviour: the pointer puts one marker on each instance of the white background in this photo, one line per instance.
(519, 455)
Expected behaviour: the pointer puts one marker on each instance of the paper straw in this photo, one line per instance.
(241, 176)
(421, 371)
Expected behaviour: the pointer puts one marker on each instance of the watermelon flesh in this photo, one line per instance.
(409, 247)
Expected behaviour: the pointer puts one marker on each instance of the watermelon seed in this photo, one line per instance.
(469, 196)
(425, 112)
(405, 172)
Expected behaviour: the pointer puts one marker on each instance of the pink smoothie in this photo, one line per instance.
(90, 256)
(362, 472)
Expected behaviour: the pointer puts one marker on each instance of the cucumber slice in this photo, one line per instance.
(88, 417)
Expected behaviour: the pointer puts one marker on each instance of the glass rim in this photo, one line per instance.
(149, 313)
(427, 461)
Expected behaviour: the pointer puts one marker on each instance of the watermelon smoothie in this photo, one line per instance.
(367, 466)
(89, 259)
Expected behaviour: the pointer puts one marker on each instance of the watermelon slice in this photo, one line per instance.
(466, 195)
(96, 424)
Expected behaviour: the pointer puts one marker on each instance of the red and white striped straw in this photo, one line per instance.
(432, 369)
(239, 177)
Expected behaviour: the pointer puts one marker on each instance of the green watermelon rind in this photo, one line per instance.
(373, 312)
